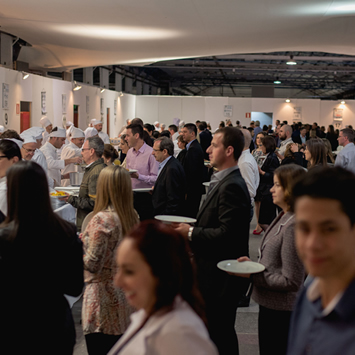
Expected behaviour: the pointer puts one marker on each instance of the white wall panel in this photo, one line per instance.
(193, 109)
(147, 108)
(169, 108)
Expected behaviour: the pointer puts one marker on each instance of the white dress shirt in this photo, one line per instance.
(346, 157)
(3, 195)
(283, 146)
(45, 136)
(54, 165)
(250, 173)
(40, 159)
(70, 151)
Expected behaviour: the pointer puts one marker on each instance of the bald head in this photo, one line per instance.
(285, 132)
(247, 138)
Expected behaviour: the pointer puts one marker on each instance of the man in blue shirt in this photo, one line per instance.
(323, 320)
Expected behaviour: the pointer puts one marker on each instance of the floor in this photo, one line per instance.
(246, 321)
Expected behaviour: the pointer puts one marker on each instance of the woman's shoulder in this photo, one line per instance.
(105, 217)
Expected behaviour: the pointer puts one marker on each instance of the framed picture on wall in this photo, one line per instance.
(87, 104)
(102, 106)
(43, 103)
(5, 96)
(338, 113)
(64, 104)
(114, 107)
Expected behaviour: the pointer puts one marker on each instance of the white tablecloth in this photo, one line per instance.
(67, 212)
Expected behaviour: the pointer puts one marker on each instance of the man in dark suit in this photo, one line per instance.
(205, 138)
(169, 189)
(221, 233)
(194, 170)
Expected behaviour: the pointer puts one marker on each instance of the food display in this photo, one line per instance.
(58, 193)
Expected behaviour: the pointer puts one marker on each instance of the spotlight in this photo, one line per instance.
(120, 93)
(291, 61)
(277, 81)
(102, 90)
(342, 102)
(76, 86)
(288, 100)
(25, 75)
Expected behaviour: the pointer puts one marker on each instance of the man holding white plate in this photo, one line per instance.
(222, 232)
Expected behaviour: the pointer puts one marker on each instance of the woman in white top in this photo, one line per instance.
(156, 274)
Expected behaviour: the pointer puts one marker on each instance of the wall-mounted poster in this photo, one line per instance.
(228, 110)
(114, 107)
(102, 106)
(64, 104)
(338, 114)
(338, 124)
(297, 113)
(5, 96)
(87, 104)
(43, 103)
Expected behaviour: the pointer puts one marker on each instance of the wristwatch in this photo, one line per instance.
(189, 235)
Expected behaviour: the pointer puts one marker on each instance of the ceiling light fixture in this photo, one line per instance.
(102, 90)
(120, 93)
(25, 75)
(277, 81)
(76, 86)
(288, 100)
(291, 61)
(342, 102)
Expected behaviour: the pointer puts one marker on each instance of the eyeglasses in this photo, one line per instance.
(29, 150)
(157, 150)
(86, 148)
(3, 156)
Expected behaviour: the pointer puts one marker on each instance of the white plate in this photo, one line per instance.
(131, 171)
(207, 162)
(244, 267)
(67, 188)
(143, 189)
(175, 219)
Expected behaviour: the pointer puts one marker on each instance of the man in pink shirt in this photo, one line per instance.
(140, 158)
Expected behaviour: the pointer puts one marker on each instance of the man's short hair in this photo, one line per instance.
(165, 133)
(349, 133)
(191, 128)
(148, 127)
(136, 128)
(137, 120)
(247, 138)
(232, 137)
(166, 143)
(173, 127)
(288, 129)
(328, 183)
(202, 126)
(10, 133)
(257, 123)
(97, 144)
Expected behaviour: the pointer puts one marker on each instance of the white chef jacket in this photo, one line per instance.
(70, 151)
(40, 159)
(104, 137)
(45, 136)
(54, 164)
(3, 195)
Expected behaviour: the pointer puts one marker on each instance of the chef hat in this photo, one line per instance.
(90, 132)
(19, 143)
(94, 122)
(69, 123)
(2, 129)
(155, 123)
(78, 133)
(44, 121)
(176, 121)
(182, 124)
(28, 139)
(59, 133)
(35, 132)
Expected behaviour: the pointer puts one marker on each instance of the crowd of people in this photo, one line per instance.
(152, 288)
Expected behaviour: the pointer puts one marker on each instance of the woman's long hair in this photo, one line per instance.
(318, 151)
(168, 254)
(114, 189)
(28, 198)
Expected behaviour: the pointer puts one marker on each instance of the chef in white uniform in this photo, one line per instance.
(38, 157)
(47, 125)
(90, 132)
(98, 125)
(16, 156)
(49, 149)
(73, 149)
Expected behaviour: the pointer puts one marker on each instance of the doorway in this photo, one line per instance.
(265, 118)
(76, 115)
(25, 115)
(108, 122)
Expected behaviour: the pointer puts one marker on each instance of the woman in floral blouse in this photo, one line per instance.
(105, 313)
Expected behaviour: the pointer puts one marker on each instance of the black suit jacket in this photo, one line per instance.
(194, 170)
(221, 233)
(169, 190)
(266, 181)
(205, 141)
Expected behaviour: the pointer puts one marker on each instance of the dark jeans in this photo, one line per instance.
(100, 343)
(273, 331)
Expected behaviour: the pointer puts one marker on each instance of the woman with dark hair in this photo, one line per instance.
(158, 279)
(110, 154)
(124, 149)
(268, 210)
(10, 153)
(182, 145)
(332, 137)
(315, 153)
(41, 259)
(276, 288)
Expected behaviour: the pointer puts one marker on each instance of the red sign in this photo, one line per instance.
(17, 109)
(248, 115)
